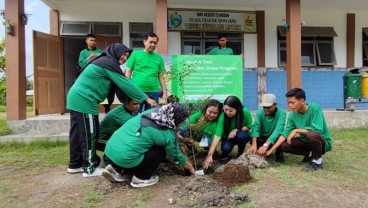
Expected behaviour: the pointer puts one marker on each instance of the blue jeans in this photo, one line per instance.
(241, 139)
(145, 106)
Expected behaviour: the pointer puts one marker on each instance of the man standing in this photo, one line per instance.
(146, 69)
(222, 49)
(306, 132)
(90, 52)
(268, 125)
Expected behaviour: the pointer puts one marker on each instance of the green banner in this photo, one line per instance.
(198, 77)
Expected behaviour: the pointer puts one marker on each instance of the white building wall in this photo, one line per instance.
(332, 18)
(250, 50)
(174, 43)
(146, 12)
(110, 12)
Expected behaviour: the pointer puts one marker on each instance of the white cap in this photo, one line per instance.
(268, 100)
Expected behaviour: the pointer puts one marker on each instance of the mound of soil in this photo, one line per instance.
(252, 161)
(233, 175)
(203, 191)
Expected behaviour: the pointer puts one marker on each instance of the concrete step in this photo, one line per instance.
(28, 137)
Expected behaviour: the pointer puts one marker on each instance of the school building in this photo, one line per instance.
(286, 43)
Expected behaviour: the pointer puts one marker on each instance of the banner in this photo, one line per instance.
(182, 20)
(201, 76)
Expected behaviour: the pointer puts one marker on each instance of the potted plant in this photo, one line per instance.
(9, 28)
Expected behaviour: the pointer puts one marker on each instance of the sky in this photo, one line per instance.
(38, 20)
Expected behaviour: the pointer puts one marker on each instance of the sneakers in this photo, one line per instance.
(75, 170)
(313, 166)
(306, 159)
(139, 183)
(112, 175)
(96, 172)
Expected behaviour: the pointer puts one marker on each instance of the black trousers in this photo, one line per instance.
(263, 139)
(315, 144)
(152, 158)
(83, 135)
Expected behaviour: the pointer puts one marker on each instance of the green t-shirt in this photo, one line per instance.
(220, 51)
(92, 87)
(221, 132)
(84, 54)
(113, 120)
(208, 129)
(146, 68)
(312, 120)
(127, 150)
(270, 126)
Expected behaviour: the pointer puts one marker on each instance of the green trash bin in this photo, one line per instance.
(352, 84)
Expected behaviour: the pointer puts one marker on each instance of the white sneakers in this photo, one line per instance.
(75, 170)
(112, 175)
(96, 172)
(139, 183)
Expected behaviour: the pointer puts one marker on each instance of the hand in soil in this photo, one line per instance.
(207, 162)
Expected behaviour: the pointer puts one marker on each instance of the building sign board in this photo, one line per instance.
(193, 20)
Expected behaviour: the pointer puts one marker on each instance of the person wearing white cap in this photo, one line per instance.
(268, 125)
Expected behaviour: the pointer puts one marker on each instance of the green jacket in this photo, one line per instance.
(127, 150)
(113, 120)
(270, 126)
(221, 132)
(92, 87)
(84, 54)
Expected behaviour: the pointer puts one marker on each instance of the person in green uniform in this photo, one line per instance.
(233, 128)
(90, 52)
(95, 80)
(146, 69)
(143, 142)
(268, 125)
(306, 132)
(202, 123)
(222, 49)
(116, 118)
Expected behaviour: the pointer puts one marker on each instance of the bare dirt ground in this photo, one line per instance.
(53, 187)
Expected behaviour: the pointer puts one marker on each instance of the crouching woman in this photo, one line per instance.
(140, 145)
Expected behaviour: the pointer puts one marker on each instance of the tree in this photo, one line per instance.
(2, 56)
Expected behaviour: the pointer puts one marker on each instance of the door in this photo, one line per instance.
(48, 74)
(103, 41)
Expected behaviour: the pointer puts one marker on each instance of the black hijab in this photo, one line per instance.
(109, 59)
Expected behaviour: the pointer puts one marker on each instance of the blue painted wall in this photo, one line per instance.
(322, 87)
(250, 85)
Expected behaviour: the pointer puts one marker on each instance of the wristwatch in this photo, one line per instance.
(265, 144)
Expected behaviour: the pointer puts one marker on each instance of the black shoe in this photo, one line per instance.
(280, 159)
(306, 159)
(312, 166)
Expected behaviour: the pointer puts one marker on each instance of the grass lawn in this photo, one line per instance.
(3, 126)
(345, 168)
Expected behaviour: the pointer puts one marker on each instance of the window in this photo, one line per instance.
(107, 29)
(317, 47)
(75, 28)
(111, 29)
(137, 32)
(365, 46)
(203, 42)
